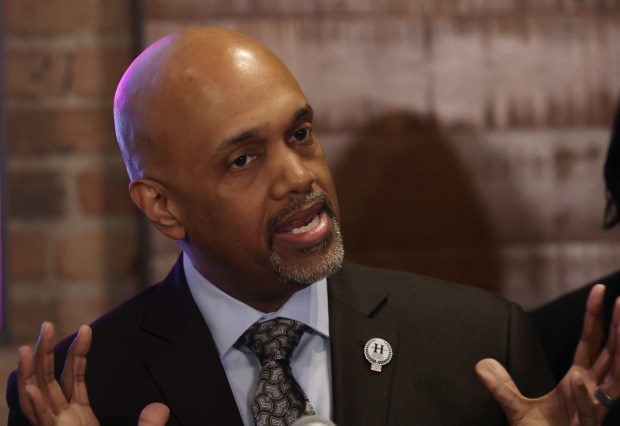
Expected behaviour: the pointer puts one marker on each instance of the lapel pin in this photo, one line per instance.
(378, 352)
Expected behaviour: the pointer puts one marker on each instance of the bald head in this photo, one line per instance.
(175, 82)
(220, 146)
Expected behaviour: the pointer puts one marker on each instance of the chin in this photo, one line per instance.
(314, 263)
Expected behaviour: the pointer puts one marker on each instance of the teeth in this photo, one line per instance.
(313, 224)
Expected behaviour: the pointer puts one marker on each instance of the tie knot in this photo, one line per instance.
(275, 339)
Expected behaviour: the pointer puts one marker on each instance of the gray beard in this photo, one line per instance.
(329, 263)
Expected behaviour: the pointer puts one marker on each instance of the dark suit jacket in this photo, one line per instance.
(558, 324)
(157, 347)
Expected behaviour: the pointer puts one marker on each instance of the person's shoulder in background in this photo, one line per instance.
(558, 323)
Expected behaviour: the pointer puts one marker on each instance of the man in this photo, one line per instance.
(218, 141)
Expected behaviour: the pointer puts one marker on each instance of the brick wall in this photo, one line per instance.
(73, 238)
(467, 137)
(483, 125)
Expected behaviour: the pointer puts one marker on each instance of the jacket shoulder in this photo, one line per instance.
(410, 287)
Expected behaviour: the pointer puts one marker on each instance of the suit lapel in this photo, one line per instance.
(360, 396)
(185, 363)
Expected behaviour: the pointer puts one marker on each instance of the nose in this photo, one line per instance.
(292, 173)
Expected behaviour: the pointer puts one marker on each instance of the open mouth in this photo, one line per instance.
(303, 222)
(307, 228)
(300, 221)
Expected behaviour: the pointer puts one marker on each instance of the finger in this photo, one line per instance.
(43, 354)
(613, 342)
(587, 409)
(25, 377)
(497, 380)
(74, 371)
(614, 371)
(42, 414)
(155, 414)
(605, 359)
(44, 370)
(611, 383)
(589, 344)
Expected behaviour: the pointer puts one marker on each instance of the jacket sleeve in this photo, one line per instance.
(526, 360)
(16, 417)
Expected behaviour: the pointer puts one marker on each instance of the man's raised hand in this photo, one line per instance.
(574, 400)
(45, 402)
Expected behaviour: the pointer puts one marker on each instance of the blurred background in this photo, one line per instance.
(467, 139)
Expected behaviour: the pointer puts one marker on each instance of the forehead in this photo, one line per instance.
(202, 111)
(192, 93)
(214, 97)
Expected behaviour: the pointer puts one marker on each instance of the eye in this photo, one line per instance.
(242, 161)
(302, 135)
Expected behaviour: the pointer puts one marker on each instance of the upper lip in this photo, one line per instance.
(299, 217)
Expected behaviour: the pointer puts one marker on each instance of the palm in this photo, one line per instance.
(77, 415)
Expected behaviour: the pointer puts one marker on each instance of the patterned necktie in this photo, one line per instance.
(279, 399)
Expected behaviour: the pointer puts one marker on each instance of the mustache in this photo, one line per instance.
(296, 203)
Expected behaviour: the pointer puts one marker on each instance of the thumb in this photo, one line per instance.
(155, 414)
(497, 380)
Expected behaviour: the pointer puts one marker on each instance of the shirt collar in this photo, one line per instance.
(228, 318)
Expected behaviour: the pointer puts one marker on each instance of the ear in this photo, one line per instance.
(151, 198)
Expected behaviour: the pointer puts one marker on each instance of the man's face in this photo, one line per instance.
(250, 185)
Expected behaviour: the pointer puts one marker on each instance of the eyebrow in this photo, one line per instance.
(304, 112)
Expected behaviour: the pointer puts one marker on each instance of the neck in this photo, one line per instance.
(264, 304)
(263, 300)
(263, 292)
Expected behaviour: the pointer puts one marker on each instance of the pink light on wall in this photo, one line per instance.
(3, 272)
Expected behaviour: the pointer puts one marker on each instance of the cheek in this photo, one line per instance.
(245, 214)
(325, 180)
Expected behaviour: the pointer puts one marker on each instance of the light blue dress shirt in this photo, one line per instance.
(228, 318)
